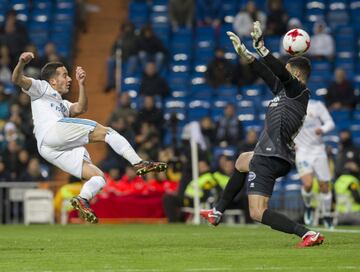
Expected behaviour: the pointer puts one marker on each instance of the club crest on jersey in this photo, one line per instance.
(251, 176)
(274, 102)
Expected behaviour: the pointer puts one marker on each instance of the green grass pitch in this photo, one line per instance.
(152, 248)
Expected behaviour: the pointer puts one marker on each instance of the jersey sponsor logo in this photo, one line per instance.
(60, 107)
(251, 176)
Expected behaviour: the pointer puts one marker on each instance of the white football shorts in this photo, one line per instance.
(316, 164)
(63, 144)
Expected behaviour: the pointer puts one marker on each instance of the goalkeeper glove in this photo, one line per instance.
(240, 48)
(258, 40)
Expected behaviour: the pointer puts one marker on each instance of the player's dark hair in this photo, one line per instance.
(49, 70)
(301, 63)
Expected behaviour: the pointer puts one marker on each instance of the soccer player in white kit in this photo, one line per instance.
(312, 160)
(61, 138)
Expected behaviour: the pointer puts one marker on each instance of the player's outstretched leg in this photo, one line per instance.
(95, 183)
(233, 187)
(259, 212)
(122, 147)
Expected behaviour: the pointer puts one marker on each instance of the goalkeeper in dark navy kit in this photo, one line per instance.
(274, 154)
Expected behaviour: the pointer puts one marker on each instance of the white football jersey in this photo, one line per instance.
(317, 117)
(47, 107)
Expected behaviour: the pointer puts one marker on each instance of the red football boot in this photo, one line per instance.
(311, 238)
(212, 216)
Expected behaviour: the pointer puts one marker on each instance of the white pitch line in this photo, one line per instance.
(208, 269)
(339, 230)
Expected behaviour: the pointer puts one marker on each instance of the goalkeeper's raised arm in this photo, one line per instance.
(273, 63)
(257, 67)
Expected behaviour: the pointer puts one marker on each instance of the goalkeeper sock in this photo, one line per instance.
(280, 222)
(122, 147)
(233, 187)
(92, 187)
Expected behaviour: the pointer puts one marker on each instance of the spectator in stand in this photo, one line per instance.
(341, 93)
(4, 172)
(33, 172)
(347, 189)
(181, 13)
(292, 23)
(150, 145)
(151, 48)
(11, 160)
(5, 65)
(277, 18)
(124, 110)
(250, 141)
(322, 43)
(244, 21)
(145, 131)
(229, 128)
(128, 42)
(14, 36)
(243, 74)
(149, 113)
(51, 54)
(208, 130)
(152, 83)
(4, 103)
(348, 152)
(33, 69)
(209, 13)
(219, 70)
(23, 158)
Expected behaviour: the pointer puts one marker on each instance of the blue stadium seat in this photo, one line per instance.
(131, 85)
(273, 43)
(355, 12)
(337, 14)
(218, 105)
(294, 8)
(315, 10)
(340, 116)
(198, 109)
(201, 91)
(230, 8)
(138, 13)
(226, 92)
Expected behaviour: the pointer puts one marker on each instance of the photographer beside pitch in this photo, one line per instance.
(61, 138)
(274, 154)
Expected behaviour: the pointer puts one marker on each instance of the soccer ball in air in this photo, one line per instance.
(296, 41)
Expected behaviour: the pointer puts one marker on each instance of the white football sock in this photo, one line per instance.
(307, 197)
(325, 203)
(92, 187)
(122, 147)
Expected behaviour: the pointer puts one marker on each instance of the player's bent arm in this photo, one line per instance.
(81, 105)
(267, 75)
(18, 77)
(326, 119)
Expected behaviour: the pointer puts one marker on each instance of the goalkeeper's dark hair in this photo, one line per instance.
(301, 63)
(49, 70)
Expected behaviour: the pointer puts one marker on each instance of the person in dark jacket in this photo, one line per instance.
(151, 48)
(219, 70)
(341, 93)
(152, 83)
